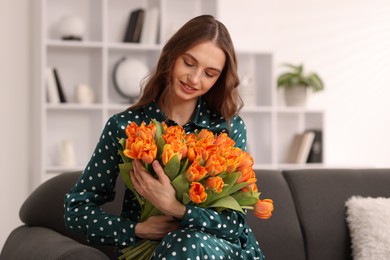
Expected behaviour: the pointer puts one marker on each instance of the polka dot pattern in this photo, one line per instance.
(207, 234)
(204, 233)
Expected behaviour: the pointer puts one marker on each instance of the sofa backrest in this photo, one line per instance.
(280, 237)
(45, 206)
(320, 196)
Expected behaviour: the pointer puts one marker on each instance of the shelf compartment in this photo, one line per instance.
(288, 125)
(149, 58)
(77, 65)
(314, 120)
(89, 11)
(173, 16)
(82, 128)
(255, 72)
(259, 145)
(118, 15)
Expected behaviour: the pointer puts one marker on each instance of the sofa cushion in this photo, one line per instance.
(369, 223)
(320, 196)
(45, 244)
(280, 236)
(45, 207)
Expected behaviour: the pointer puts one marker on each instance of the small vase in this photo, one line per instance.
(67, 153)
(84, 94)
(71, 28)
(295, 96)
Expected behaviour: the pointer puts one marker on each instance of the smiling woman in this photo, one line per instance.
(194, 85)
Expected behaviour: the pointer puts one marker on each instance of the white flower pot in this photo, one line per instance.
(295, 96)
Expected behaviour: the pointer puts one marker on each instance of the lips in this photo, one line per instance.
(187, 89)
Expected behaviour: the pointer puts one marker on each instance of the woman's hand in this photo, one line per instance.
(159, 192)
(156, 227)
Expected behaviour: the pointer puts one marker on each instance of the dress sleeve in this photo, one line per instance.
(238, 132)
(227, 224)
(96, 186)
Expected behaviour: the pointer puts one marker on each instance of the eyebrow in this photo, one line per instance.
(192, 57)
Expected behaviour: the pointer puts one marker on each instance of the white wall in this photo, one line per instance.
(14, 110)
(347, 42)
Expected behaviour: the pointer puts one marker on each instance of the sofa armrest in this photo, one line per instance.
(42, 243)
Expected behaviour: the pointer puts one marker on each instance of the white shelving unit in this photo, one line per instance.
(90, 61)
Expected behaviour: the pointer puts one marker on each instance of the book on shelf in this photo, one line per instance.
(134, 25)
(149, 34)
(300, 147)
(316, 151)
(59, 86)
(294, 148)
(53, 96)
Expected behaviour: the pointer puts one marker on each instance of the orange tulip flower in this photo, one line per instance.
(146, 132)
(263, 208)
(196, 172)
(180, 148)
(250, 187)
(175, 132)
(206, 135)
(131, 131)
(215, 184)
(197, 193)
(167, 154)
(144, 150)
(246, 161)
(190, 139)
(248, 175)
(215, 165)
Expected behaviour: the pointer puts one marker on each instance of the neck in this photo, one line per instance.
(180, 112)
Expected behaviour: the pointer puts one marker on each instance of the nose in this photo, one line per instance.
(194, 76)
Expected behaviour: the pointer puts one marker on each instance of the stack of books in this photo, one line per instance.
(306, 147)
(142, 26)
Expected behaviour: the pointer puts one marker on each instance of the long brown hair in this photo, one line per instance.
(223, 97)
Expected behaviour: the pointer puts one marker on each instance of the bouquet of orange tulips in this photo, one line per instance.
(205, 169)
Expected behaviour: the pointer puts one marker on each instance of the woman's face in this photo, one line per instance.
(196, 71)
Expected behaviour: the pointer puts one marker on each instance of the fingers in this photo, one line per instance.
(142, 180)
(160, 172)
(136, 177)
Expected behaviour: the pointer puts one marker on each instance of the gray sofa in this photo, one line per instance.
(308, 222)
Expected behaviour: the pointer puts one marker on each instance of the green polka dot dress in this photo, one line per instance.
(204, 233)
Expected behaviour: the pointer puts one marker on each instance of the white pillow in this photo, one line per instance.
(369, 224)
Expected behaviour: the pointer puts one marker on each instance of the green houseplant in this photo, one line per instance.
(295, 82)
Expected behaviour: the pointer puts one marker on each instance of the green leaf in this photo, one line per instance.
(227, 202)
(186, 199)
(148, 210)
(124, 171)
(230, 178)
(184, 166)
(181, 185)
(125, 159)
(296, 77)
(159, 129)
(246, 198)
(229, 188)
(122, 142)
(160, 146)
(172, 168)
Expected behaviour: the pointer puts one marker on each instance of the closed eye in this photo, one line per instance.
(188, 62)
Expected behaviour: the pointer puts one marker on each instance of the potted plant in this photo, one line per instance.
(296, 82)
